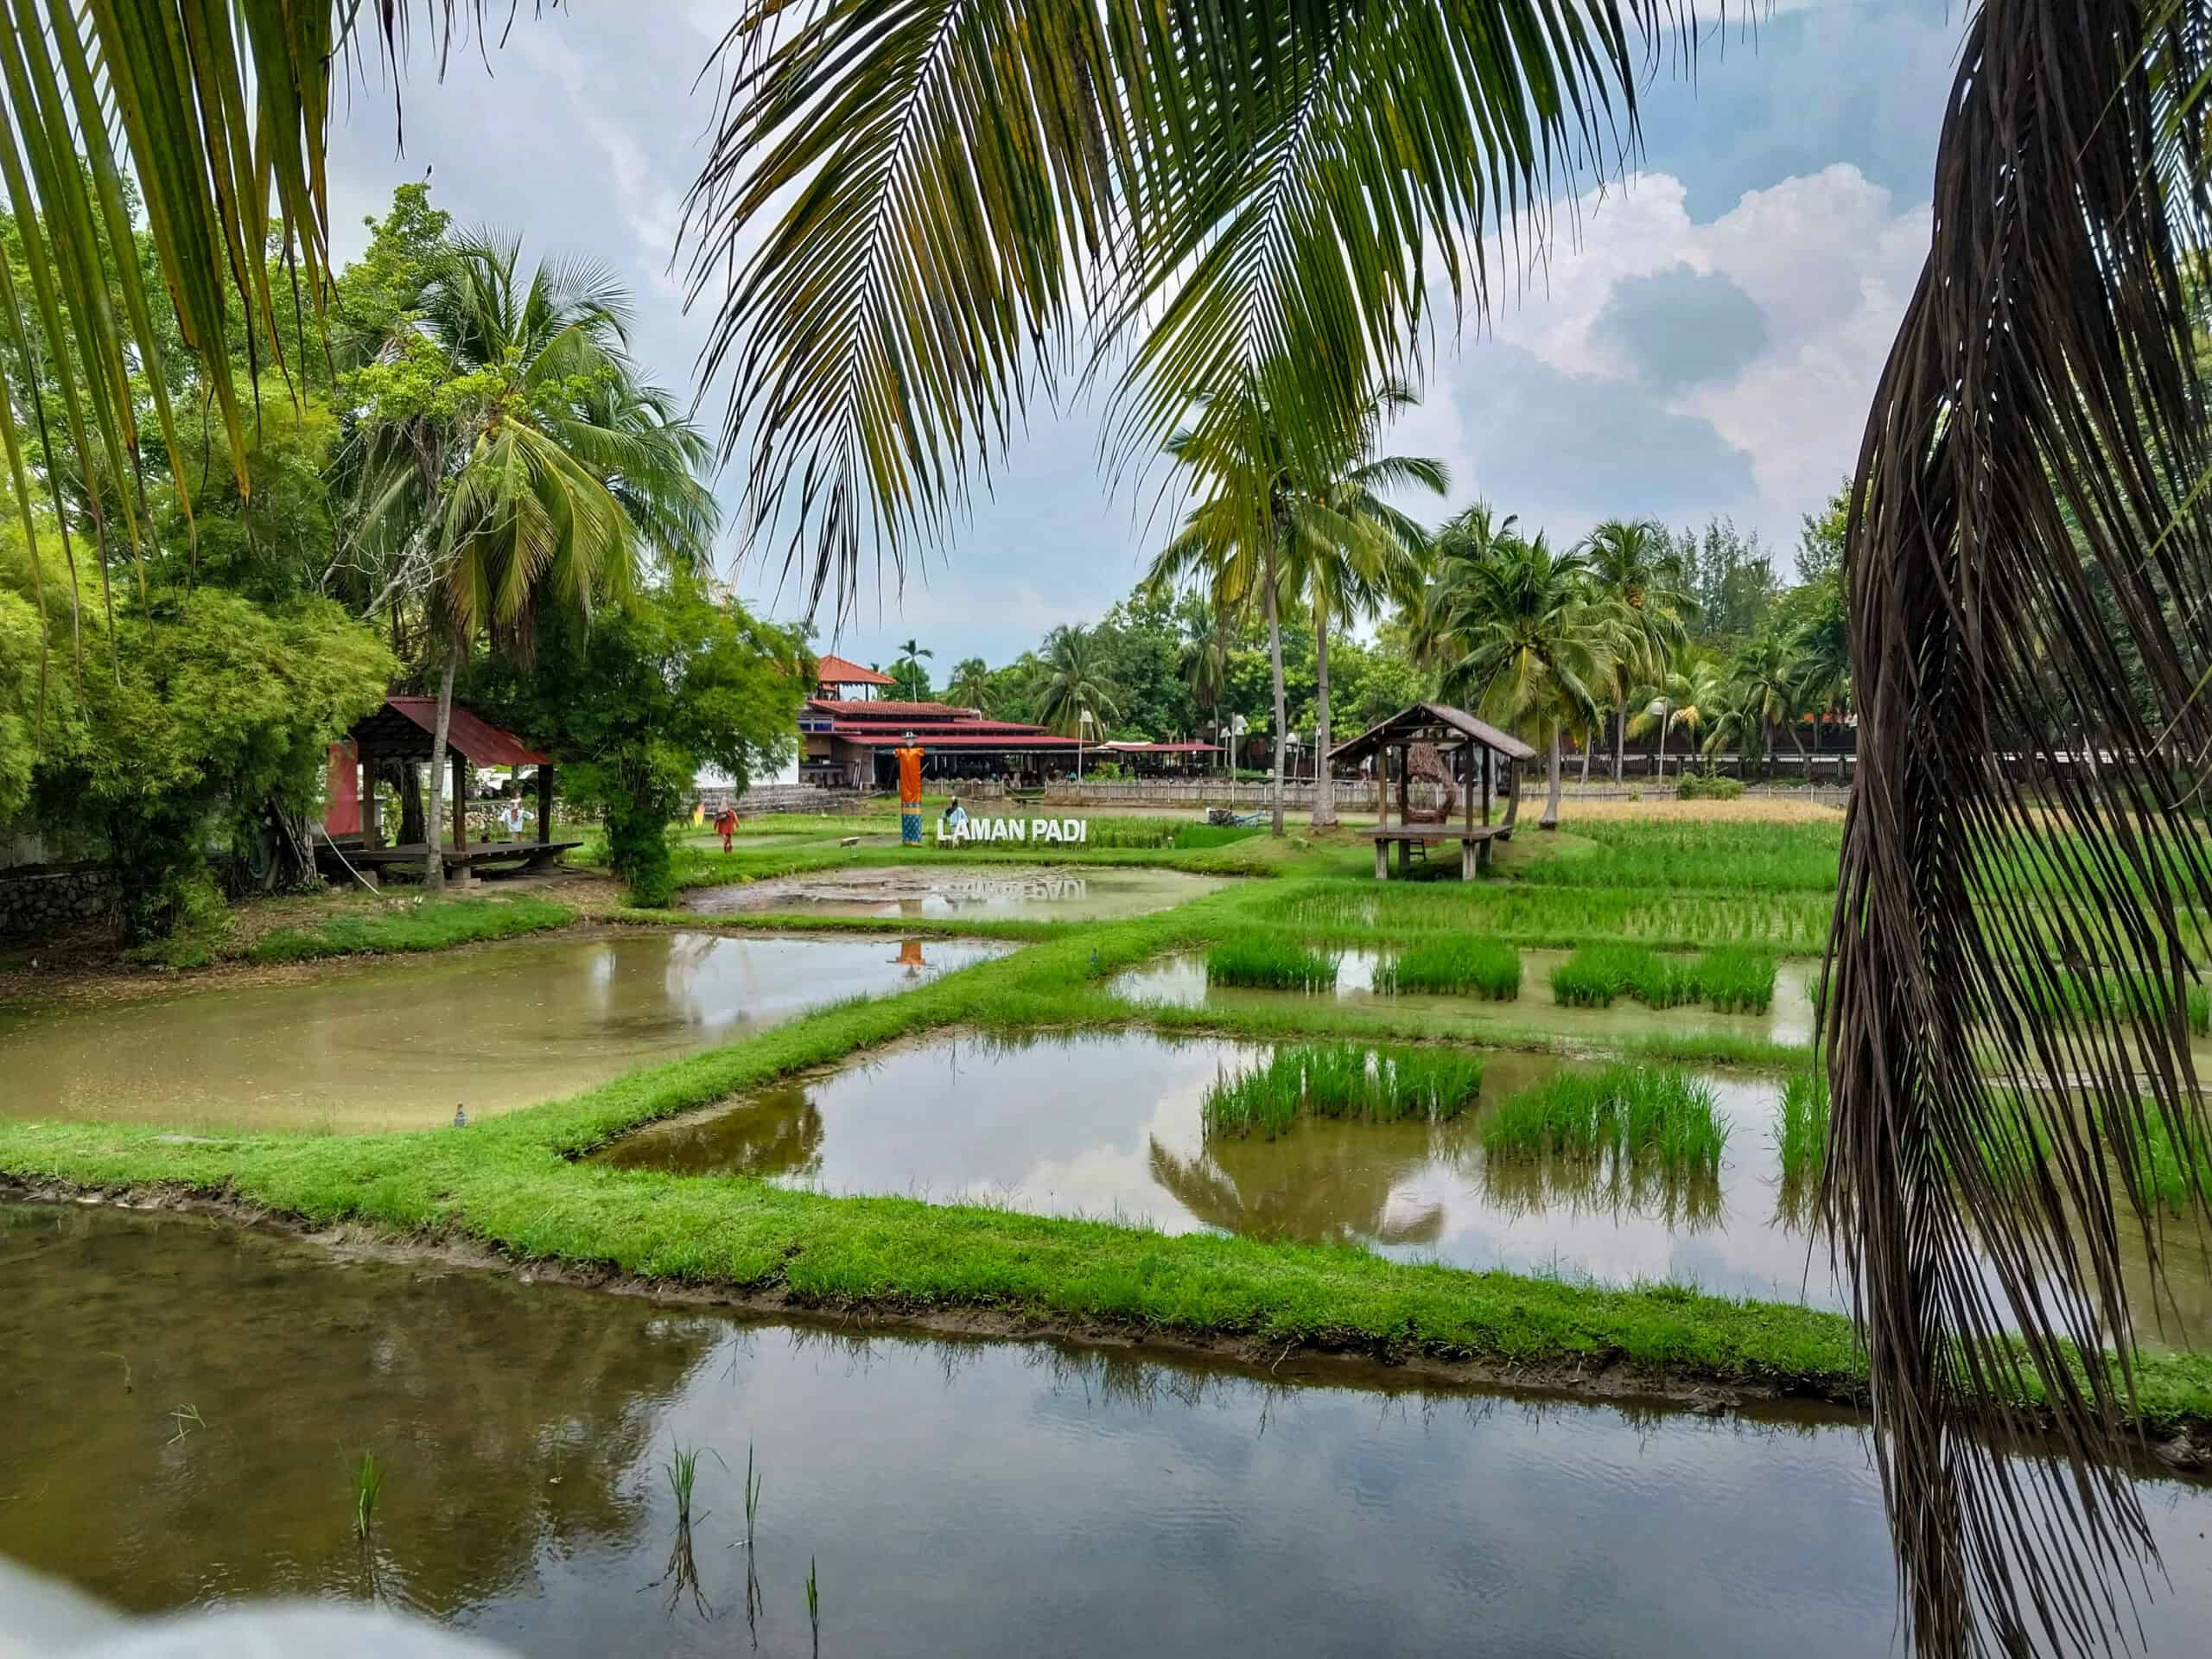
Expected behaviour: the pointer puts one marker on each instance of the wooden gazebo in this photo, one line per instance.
(404, 728)
(1461, 762)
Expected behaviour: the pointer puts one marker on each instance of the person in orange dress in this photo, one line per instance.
(725, 826)
(910, 792)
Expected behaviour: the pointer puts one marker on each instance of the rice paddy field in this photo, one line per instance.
(1205, 1085)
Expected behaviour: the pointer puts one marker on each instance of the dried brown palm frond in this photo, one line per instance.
(2029, 575)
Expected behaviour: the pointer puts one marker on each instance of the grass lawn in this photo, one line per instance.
(513, 1182)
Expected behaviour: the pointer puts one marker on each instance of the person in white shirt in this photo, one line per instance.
(956, 817)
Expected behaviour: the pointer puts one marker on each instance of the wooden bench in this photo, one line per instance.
(1474, 846)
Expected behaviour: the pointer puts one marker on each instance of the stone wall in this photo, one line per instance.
(42, 898)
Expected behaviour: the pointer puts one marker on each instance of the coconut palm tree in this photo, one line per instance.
(507, 446)
(1522, 638)
(1074, 696)
(1202, 659)
(971, 685)
(1353, 552)
(1669, 701)
(1633, 561)
(1768, 677)
(1207, 188)
(913, 680)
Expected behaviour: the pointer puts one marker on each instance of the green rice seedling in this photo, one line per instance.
(1801, 1123)
(1270, 964)
(814, 1603)
(368, 1486)
(1343, 1080)
(2178, 1178)
(1596, 973)
(186, 1418)
(1461, 964)
(752, 1495)
(682, 1471)
(1620, 1112)
(1735, 979)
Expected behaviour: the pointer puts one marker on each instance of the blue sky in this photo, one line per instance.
(1705, 341)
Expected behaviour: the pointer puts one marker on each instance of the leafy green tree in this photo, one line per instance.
(971, 686)
(1728, 577)
(1633, 564)
(1524, 640)
(1820, 543)
(1073, 695)
(210, 737)
(515, 460)
(655, 687)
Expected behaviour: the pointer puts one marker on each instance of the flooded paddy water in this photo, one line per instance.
(1181, 981)
(1111, 1125)
(951, 1498)
(940, 891)
(398, 1043)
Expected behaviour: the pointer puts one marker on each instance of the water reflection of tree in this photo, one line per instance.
(1314, 1187)
(777, 1132)
(509, 1418)
(1685, 1199)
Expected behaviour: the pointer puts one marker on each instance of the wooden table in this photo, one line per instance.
(1474, 846)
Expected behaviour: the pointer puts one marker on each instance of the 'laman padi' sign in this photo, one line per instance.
(1028, 830)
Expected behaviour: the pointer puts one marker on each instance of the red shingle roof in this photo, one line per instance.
(1030, 740)
(925, 728)
(485, 744)
(1189, 746)
(888, 709)
(843, 670)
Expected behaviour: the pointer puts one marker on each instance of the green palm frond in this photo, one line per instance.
(933, 208)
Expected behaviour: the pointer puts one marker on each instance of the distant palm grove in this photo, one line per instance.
(1638, 650)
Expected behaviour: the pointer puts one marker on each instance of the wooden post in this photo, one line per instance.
(1405, 772)
(1486, 765)
(1467, 783)
(459, 802)
(545, 802)
(371, 826)
(1382, 859)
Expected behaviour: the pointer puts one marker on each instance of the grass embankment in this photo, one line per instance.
(1343, 1080)
(510, 1184)
(413, 925)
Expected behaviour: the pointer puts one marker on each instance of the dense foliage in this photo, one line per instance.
(636, 702)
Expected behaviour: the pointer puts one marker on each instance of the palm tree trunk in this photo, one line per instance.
(1589, 741)
(1620, 740)
(1324, 794)
(1660, 776)
(1550, 820)
(434, 863)
(1275, 662)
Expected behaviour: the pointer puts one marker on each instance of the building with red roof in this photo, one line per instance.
(840, 677)
(846, 742)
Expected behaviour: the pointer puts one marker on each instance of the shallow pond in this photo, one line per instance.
(1182, 981)
(939, 891)
(397, 1044)
(952, 1497)
(1111, 1125)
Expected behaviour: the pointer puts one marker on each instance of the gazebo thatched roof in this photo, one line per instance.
(1432, 721)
